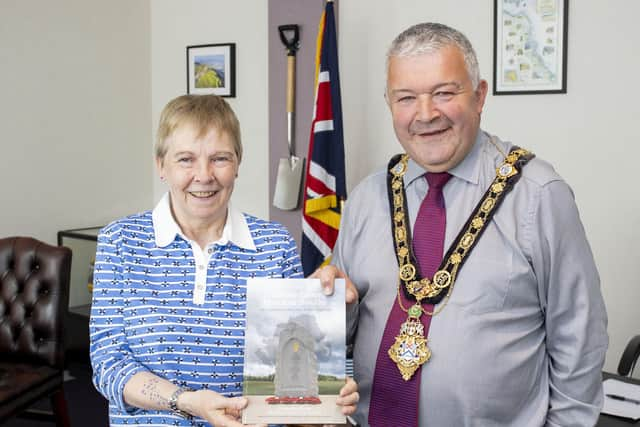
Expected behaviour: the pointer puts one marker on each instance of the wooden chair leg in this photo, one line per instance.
(60, 412)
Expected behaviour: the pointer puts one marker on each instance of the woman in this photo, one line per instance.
(168, 314)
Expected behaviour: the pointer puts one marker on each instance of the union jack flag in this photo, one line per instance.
(325, 186)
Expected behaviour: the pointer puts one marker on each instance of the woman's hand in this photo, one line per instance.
(218, 410)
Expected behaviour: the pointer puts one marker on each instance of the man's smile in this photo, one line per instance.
(429, 132)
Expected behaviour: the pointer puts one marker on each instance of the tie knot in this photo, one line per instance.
(437, 179)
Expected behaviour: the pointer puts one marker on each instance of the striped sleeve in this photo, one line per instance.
(112, 361)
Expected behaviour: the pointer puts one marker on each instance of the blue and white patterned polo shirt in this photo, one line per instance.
(154, 309)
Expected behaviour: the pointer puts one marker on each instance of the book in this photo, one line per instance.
(295, 350)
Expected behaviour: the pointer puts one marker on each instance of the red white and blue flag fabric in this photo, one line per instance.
(325, 186)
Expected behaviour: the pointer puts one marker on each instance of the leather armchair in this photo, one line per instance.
(34, 295)
(629, 357)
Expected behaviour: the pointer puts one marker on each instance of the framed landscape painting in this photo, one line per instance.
(211, 69)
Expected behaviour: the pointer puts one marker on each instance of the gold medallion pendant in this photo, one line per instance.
(410, 349)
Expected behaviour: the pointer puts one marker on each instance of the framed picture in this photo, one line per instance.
(211, 69)
(530, 47)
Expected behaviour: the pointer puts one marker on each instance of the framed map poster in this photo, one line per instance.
(530, 46)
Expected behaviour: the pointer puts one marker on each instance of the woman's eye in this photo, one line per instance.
(220, 160)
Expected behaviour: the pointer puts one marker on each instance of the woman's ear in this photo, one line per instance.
(160, 168)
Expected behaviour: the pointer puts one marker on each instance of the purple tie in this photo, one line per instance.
(394, 401)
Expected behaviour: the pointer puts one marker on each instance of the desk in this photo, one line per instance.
(610, 420)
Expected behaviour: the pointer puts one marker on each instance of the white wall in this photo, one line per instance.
(589, 134)
(74, 114)
(78, 112)
(175, 25)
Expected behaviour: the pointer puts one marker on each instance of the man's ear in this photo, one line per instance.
(481, 95)
(387, 100)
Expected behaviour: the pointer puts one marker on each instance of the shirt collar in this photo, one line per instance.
(236, 229)
(468, 169)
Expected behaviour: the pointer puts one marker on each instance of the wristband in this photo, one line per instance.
(173, 403)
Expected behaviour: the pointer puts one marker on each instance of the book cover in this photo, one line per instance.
(294, 352)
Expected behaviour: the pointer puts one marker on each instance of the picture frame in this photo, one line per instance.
(211, 69)
(530, 47)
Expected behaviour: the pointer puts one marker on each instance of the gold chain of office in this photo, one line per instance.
(422, 288)
(410, 351)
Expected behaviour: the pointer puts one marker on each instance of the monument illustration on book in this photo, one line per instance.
(294, 352)
(296, 377)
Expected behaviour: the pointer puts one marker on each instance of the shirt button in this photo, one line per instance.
(210, 250)
(201, 267)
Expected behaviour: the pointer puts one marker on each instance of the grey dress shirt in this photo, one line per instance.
(522, 340)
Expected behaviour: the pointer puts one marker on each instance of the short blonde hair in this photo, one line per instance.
(203, 112)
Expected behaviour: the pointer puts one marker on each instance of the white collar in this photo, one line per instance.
(166, 228)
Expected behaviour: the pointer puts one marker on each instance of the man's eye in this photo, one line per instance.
(406, 99)
(184, 160)
(443, 95)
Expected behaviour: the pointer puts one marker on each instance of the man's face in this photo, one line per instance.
(434, 106)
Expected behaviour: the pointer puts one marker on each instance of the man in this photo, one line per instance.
(517, 333)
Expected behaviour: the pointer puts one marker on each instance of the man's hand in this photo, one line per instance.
(347, 399)
(328, 274)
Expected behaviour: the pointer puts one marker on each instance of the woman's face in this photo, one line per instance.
(200, 173)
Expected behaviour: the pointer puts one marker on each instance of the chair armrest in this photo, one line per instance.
(629, 356)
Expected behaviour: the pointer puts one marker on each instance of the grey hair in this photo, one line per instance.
(430, 37)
